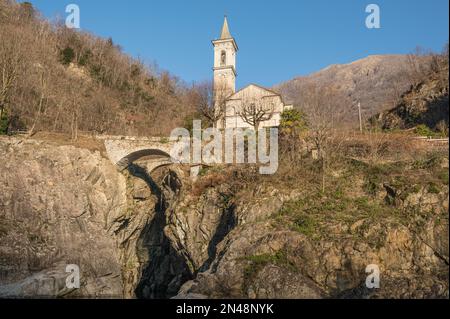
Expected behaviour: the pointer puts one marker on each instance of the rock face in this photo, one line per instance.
(62, 205)
(149, 236)
(59, 206)
(425, 103)
(259, 260)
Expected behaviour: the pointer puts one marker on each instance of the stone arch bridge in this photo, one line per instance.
(124, 150)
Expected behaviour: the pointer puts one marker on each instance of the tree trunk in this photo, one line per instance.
(324, 169)
(38, 115)
(74, 126)
(323, 174)
(256, 128)
(55, 123)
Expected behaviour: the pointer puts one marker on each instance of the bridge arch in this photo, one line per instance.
(158, 158)
(124, 150)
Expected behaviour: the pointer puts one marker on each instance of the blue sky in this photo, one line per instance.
(278, 40)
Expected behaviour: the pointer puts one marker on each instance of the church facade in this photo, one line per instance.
(250, 106)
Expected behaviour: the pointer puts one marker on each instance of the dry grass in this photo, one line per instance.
(86, 141)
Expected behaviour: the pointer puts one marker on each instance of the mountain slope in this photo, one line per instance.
(426, 103)
(376, 81)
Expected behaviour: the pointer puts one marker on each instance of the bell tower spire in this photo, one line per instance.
(225, 34)
(225, 49)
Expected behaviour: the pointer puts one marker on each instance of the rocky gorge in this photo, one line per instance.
(140, 234)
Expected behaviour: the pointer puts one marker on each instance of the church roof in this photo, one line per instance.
(272, 93)
(225, 34)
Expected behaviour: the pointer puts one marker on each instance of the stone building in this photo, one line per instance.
(244, 107)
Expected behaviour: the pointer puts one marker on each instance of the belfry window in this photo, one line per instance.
(223, 58)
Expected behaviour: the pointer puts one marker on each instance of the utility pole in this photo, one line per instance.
(360, 117)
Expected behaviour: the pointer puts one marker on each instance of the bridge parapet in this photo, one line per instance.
(132, 138)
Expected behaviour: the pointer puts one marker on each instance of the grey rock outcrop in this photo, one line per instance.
(59, 206)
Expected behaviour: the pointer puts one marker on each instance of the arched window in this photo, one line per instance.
(223, 58)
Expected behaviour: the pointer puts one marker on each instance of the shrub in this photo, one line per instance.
(430, 161)
(85, 57)
(67, 56)
(292, 121)
(433, 188)
(424, 130)
(371, 186)
(442, 128)
(305, 225)
(443, 176)
(4, 123)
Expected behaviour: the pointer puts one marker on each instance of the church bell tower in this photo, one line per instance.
(225, 49)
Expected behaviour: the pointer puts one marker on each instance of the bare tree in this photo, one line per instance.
(323, 107)
(421, 63)
(43, 98)
(75, 111)
(10, 63)
(210, 101)
(414, 65)
(319, 104)
(255, 110)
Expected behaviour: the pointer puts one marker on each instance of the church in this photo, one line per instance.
(251, 106)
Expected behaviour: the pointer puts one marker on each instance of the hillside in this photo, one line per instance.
(426, 103)
(61, 80)
(377, 81)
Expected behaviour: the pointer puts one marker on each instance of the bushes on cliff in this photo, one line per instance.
(3, 123)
